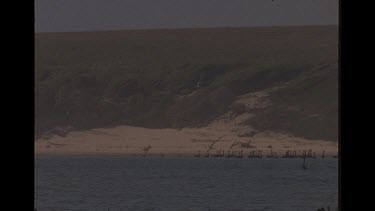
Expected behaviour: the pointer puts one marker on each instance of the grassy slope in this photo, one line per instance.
(148, 77)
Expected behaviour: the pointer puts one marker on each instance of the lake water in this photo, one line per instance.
(137, 183)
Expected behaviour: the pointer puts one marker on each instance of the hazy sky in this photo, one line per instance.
(90, 15)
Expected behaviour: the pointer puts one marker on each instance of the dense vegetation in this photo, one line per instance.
(186, 78)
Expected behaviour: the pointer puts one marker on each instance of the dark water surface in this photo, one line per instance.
(126, 183)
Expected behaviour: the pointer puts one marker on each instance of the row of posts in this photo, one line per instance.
(258, 154)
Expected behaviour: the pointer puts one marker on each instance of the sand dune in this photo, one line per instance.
(227, 132)
(180, 78)
(252, 81)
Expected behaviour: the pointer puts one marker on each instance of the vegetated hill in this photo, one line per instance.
(188, 77)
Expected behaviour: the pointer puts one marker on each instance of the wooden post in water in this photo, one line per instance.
(304, 163)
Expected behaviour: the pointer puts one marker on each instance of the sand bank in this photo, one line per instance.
(129, 140)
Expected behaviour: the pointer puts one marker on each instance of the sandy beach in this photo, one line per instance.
(171, 142)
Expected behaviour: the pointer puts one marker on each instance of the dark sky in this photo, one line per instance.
(92, 15)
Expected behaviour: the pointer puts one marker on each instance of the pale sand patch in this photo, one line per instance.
(129, 140)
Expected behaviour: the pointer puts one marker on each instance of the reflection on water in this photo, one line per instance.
(125, 183)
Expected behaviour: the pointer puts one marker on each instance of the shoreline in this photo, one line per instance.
(327, 156)
(187, 142)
